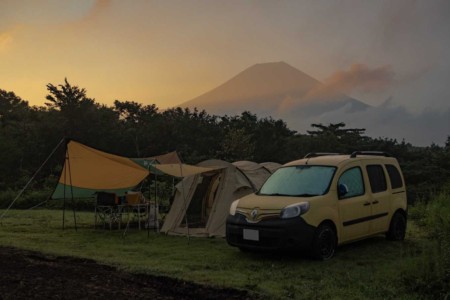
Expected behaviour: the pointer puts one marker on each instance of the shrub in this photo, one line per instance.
(26, 200)
(430, 274)
(6, 197)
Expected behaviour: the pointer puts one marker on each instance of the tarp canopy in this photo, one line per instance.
(87, 171)
(168, 158)
(183, 170)
(149, 162)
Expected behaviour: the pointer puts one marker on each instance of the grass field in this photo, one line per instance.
(370, 269)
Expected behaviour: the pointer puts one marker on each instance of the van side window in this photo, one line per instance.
(376, 178)
(352, 178)
(394, 176)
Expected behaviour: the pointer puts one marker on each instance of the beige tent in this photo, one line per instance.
(207, 197)
(271, 166)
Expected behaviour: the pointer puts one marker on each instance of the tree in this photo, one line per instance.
(78, 117)
(75, 108)
(17, 138)
(195, 134)
(337, 138)
(238, 145)
(137, 124)
(12, 108)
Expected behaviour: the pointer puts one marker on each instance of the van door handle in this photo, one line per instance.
(375, 202)
(366, 203)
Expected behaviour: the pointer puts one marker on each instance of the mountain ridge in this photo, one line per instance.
(272, 89)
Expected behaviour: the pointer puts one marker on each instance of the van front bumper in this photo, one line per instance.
(269, 234)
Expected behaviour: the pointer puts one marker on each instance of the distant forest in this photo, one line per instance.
(128, 128)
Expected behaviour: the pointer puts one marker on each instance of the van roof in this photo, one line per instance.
(336, 160)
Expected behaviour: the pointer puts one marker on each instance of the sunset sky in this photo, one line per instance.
(167, 52)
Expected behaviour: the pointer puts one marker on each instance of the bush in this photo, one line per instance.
(430, 275)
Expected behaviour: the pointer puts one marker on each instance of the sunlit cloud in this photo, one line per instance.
(359, 77)
(5, 39)
(97, 9)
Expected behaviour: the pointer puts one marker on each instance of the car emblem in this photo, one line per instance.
(254, 213)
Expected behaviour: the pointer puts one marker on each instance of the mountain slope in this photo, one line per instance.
(273, 89)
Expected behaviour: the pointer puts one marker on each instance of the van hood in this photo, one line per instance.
(274, 203)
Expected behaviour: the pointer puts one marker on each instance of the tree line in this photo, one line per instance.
(128, 128)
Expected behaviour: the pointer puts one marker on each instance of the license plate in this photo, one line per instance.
(251, 235)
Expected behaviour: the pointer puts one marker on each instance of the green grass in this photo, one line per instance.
(370, 269)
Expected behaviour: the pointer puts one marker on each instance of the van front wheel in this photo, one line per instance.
(324, 242)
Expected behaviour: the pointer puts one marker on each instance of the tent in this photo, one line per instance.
(88, 172)
(207, 197)
(271, 166)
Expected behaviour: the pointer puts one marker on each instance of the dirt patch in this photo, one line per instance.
(27, 274)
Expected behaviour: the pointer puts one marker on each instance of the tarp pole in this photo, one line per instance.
(148, 227)
(156, 203)
(29, 181)
(149, 200)
(71, 191)
(64, 193)
(184, 201)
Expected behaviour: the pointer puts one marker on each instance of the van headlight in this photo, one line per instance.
(233, 207)
(294, 210)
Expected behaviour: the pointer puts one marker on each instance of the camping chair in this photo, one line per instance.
(106, 209)
(138, 205)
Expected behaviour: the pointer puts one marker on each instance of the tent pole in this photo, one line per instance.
(149, 200)
(71, 191)
(32, 178)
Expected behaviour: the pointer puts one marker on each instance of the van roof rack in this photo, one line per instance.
(374, 153)
(316, 154)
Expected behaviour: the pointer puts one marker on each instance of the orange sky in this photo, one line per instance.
(167, 52)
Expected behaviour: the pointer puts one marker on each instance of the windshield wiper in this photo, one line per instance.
(275, 194)
(306, 195)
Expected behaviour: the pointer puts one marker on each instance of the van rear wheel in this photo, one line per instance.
(397, 228)
(324, 242)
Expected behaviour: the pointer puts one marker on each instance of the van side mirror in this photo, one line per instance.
(342, 190)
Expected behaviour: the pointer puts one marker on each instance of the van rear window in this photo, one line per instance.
(394, 176)
(376, 178)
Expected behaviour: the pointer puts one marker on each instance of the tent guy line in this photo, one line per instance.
(31, 179)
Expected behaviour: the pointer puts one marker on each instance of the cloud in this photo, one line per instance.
(386, 121)
(97, 9)
(5, 39)
(359, 77)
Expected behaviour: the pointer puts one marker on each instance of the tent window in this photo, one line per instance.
(202, 201)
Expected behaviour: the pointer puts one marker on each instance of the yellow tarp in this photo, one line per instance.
(93, 169)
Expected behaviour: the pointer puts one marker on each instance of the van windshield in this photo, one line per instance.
(300, 181)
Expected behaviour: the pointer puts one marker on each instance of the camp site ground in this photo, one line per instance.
(191, 260)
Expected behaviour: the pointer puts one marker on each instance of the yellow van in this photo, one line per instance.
(320, 202)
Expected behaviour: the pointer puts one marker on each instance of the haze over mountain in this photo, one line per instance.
(273, 89)
(283, 92)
